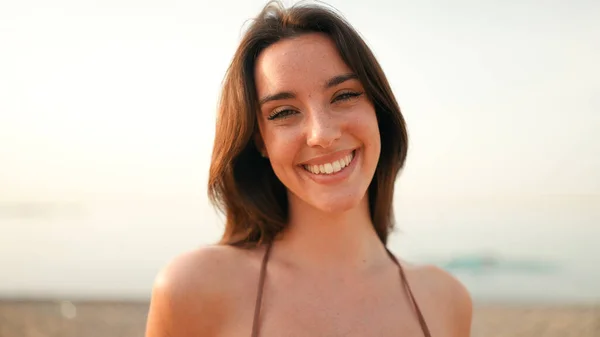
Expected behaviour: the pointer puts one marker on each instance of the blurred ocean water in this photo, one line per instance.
(546, 251)
(522, 252)
(563, 281)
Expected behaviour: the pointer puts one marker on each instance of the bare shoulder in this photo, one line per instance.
(193, 294)
(439, 282)
(444, 298)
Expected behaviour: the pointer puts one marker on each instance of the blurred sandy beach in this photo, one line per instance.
(127, 319)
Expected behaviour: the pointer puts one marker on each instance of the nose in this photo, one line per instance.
(323, 130)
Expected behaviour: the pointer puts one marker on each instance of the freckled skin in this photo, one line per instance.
(320, 125)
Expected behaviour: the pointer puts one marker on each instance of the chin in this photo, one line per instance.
(333, 204)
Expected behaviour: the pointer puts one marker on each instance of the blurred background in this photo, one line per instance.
(107, 112)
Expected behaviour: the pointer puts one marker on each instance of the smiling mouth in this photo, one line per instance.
(331, 168)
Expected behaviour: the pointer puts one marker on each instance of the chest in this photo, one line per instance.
(340, 318)
(303, 308)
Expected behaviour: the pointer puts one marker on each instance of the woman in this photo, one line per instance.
(308, 145)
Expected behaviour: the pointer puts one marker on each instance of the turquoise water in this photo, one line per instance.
(545, 250)
(571, 283)
(520, 280)
(542, 251)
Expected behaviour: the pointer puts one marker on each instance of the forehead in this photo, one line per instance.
(297, 63)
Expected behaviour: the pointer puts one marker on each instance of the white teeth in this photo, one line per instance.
(332, 167)
(337, 166)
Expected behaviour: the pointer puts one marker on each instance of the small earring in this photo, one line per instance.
(263, 154)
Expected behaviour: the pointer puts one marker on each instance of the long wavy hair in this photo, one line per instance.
(242, 183)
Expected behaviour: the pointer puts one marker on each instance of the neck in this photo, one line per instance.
(322, 240)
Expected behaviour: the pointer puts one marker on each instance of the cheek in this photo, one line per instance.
(366, 127)
(282, 146)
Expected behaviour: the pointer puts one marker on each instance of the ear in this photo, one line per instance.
(260, 145)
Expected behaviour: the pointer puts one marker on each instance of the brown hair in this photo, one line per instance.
(241, 183)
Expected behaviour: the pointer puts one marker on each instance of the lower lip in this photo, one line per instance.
(334, 177)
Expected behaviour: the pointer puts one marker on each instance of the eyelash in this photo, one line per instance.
(341, 97)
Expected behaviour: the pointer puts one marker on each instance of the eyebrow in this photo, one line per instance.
(340, 79)
(332, 82)
(276, 97)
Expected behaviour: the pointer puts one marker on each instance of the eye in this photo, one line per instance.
(283, 113)
(348, 95)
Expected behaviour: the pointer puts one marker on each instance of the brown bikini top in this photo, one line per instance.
(261, 283)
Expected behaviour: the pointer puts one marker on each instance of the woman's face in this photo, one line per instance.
(317, 126)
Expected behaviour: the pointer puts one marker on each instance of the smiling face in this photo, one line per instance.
(317, 125)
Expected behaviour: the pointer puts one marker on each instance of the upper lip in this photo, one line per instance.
(328, 158)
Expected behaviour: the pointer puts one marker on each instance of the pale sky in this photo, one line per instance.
(114, 101)
(111, 96)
